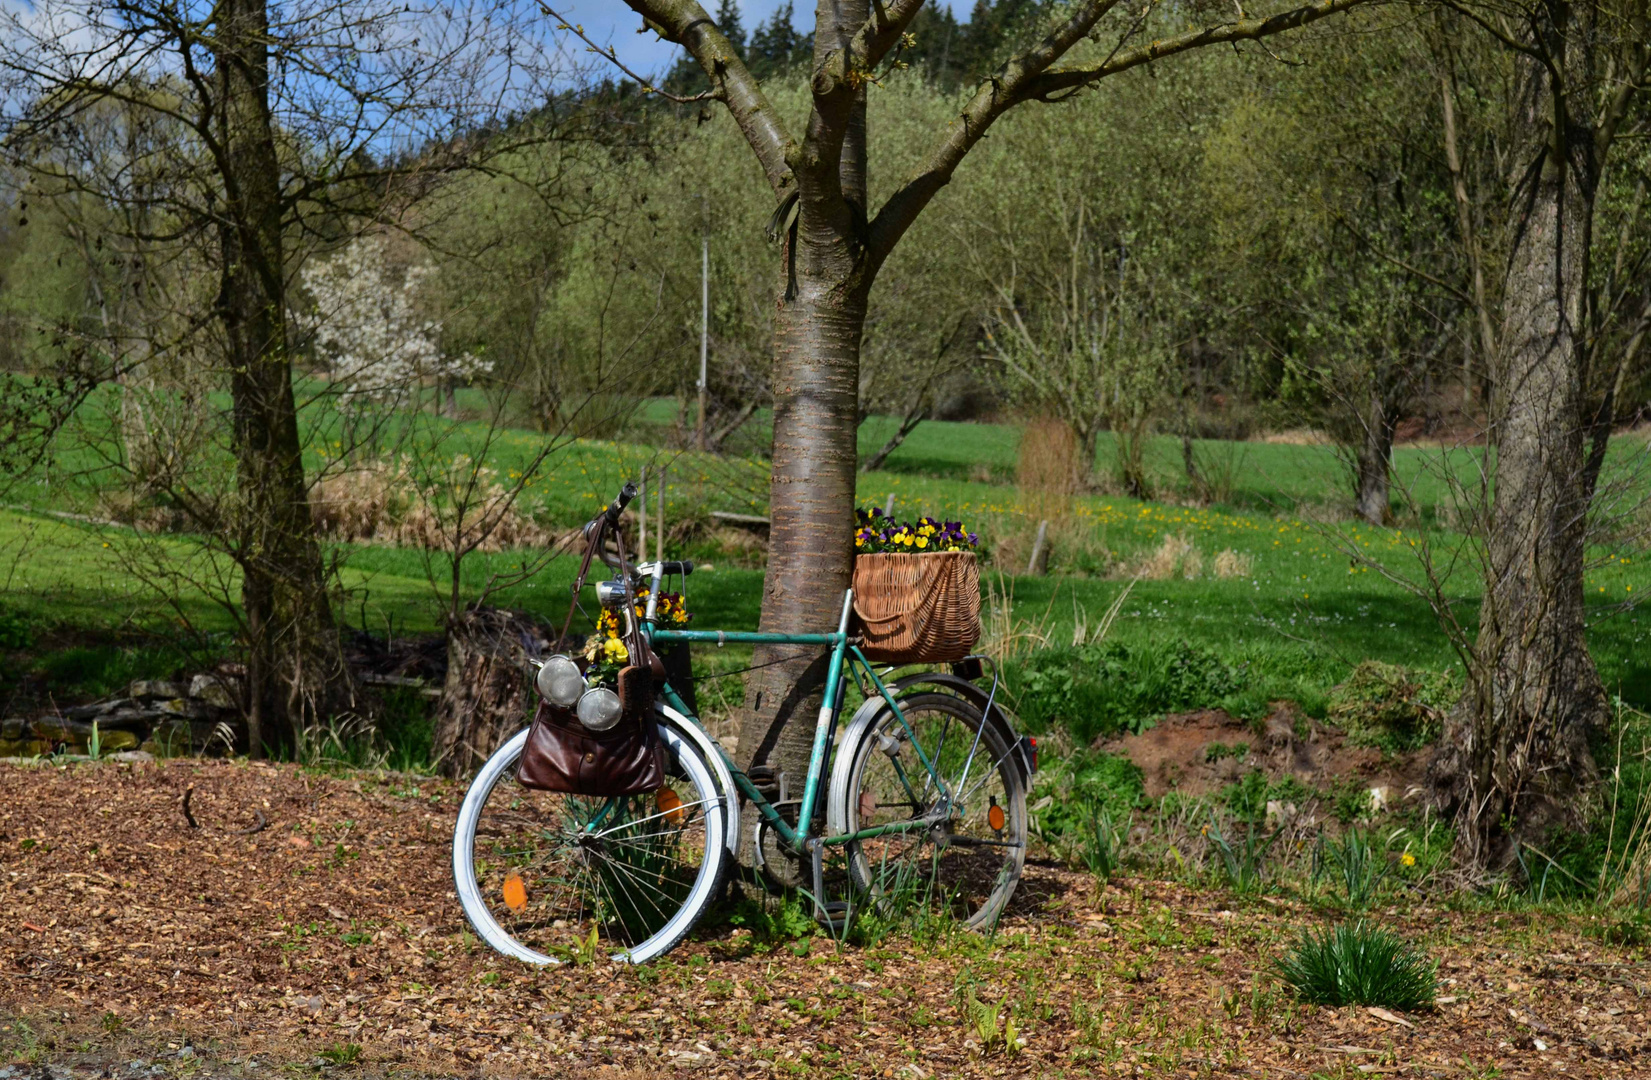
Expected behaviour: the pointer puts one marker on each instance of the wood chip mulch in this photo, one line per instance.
(306, 925)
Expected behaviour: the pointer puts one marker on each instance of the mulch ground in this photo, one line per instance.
(307, 924)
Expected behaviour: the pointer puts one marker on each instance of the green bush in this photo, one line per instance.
(1392, 708)
(16, 632)
(1357, 964)
(1073, 793)
(1102, 689)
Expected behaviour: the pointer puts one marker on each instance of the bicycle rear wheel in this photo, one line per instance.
(967, 856)
(545, 877)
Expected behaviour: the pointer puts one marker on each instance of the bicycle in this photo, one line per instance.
(924, 791)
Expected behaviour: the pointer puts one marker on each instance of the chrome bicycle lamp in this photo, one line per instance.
(599, 709)
(559, 681)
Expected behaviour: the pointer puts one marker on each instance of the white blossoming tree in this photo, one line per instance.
(369, 326)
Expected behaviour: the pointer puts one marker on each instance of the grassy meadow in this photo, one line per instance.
(1269, 580)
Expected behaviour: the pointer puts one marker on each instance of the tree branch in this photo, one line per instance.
(613, 58)
(1244, 30)
(1027, 76)
(684, 22)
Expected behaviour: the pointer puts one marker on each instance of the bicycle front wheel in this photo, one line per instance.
(952, 801)
(546, 877)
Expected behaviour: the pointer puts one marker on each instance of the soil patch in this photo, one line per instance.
(1199, 753)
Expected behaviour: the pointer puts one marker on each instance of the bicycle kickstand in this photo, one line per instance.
(831, 914)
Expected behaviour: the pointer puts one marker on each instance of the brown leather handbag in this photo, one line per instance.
(563, 755)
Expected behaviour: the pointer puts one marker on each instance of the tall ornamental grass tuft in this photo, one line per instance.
(1358, 964)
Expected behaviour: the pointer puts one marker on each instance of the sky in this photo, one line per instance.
(611, 23)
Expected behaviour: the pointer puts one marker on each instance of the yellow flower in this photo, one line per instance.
(1408, 859)
(614, 652)
(922, 541)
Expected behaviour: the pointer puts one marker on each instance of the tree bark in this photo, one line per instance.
(1515, 762)
(816, 379)
(486, 697)
(295, 664)
(1375, 461)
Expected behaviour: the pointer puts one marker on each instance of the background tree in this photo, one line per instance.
(1515, 760)
(833, 247)
(248, 129)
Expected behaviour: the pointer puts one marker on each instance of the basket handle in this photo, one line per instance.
(934, 585)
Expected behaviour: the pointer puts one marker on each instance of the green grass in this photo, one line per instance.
(1301, 620)
(1359, 964)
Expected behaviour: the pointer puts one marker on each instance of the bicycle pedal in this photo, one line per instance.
(834, 916)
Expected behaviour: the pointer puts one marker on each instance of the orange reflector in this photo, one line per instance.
(994, 818)
(669, 803)
(515, 893)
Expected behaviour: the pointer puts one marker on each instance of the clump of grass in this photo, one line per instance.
(1103, 845)
(1233, 564)
(1242, 859)
(1358, 964)
(1176, 557)
(1353, 865)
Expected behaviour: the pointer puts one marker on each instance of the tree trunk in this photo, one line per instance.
(1375, 461)
(295, 662)
(486, 698)
(1514, 762)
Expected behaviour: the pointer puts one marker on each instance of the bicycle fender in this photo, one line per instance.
(949, 683)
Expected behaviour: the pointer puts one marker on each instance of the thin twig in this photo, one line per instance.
(612, 58)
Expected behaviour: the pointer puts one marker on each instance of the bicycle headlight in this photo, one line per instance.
(599, 709)
(559, 681)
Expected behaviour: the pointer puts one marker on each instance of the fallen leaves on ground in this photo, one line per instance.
(309, 923)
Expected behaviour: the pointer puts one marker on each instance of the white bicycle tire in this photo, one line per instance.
(689, 755)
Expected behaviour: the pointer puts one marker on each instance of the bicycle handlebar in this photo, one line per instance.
(622, 500)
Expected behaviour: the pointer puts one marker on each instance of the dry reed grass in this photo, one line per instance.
(1233, 564)
(1047, 469)
(380, 502)
(1176, 557)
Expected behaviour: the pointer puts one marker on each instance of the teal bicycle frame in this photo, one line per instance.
(801, 838)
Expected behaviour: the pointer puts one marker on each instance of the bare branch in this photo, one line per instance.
(613, 58)
(685, 23)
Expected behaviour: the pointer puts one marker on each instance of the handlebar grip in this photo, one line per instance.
(622, 500)
(685, 567)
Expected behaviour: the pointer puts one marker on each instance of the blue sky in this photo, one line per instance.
(610, 22)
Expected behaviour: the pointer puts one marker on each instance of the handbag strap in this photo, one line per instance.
(579, 578)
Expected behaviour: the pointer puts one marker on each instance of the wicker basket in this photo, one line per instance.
(917, 609)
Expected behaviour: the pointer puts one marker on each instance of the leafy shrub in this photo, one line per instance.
(1392, 708)
(1074, 792)
(1356, 964)
(1247, 797)
(1105, 688)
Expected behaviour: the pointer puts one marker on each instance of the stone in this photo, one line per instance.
(132, 757)
(61, 729)
(131, 718)
(113, 742)
(155, 688)
(212, 689)
(96, 709)
(189, 708)
(12, 727)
